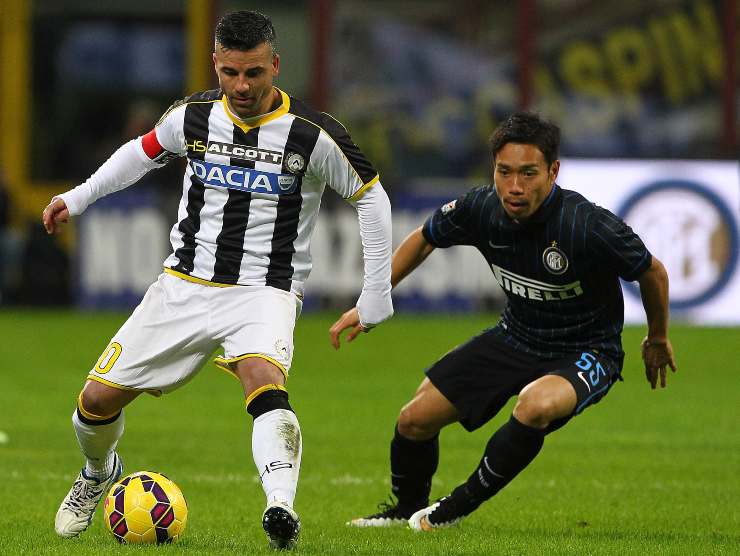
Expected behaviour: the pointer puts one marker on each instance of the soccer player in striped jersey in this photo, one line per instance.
(258, 161)
(557, 347)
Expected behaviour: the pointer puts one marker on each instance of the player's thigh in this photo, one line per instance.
(257, 323)
(591, 374)
(164, 342)
(480, 376)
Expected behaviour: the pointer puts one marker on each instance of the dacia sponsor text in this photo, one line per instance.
(243, 179)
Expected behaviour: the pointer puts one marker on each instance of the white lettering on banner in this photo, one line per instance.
(121, 251)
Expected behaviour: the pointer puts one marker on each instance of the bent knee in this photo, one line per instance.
(103, 401)
(535, 412)
(412, 425)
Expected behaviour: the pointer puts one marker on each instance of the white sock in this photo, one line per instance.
(98, 443)
(276, 448)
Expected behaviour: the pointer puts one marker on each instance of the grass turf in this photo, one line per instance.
(642, 472)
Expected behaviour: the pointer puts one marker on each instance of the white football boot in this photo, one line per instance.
(390, 514)
(78, 507)
(424, 521)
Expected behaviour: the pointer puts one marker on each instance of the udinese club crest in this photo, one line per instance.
(295, 163)
(554, 259)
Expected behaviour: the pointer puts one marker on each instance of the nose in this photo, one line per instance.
(242, 85)
(516, 186)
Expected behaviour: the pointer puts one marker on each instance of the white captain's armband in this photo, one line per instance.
(156, 152)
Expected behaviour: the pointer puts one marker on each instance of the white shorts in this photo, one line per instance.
(179, 324)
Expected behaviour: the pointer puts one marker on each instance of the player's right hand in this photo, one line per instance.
(54, 214)
(350, 319)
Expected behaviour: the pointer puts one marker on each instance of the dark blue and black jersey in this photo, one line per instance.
(560, 268)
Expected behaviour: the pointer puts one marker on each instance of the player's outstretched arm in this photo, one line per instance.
(125, 167)
(656, 349)
(410, 254)
(55, 213)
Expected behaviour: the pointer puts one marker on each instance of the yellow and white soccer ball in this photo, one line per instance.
(145, 507)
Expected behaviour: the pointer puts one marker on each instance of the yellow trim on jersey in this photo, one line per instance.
(262, 389)
(225, 364)
(184, 103)
(368, 184)
(155, 393)
(251, 123)
(357, 195)
(196, 280)
(92, 416)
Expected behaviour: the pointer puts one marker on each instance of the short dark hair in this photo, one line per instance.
(244, 30)
(530, 129)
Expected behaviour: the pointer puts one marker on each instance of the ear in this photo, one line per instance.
(554, 169)
(215, 66)
(275, 65)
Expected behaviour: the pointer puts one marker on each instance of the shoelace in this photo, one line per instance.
(82, 496)
(388, 506)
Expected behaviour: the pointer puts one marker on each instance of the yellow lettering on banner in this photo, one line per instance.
(582, 68)
(701, 46)
(670, 72)
(584, 71)
(549, 97)
(628, 52)
(109, 358)
(690, 51)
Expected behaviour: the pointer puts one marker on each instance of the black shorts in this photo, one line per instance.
(480, 376)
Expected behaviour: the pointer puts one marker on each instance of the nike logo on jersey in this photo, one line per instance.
(534, 289)
(243, 179)
(580, 375)
(494, 246)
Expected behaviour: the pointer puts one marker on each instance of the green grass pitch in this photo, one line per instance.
(642, 472)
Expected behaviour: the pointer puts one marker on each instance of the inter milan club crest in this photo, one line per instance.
(554, 259)
(449, 206)
(295, 163)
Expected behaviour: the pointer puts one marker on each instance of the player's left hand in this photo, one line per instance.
(55, 213)
(350, 319)
(657, 356)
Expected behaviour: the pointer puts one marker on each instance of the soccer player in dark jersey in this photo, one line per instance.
(557, 347)
(258, 162)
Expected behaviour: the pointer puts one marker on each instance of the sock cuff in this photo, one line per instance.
(267, 398)
(91, 418)
(262, 389)
(410, 442)
(526, 429)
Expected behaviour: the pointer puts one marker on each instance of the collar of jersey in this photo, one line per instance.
(547, 206)
(251, 123)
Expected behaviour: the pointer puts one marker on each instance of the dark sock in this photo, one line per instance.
(413, 463)
(511, 449)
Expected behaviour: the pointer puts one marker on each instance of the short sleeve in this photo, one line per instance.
(341, 164)
(169, 135)
(616, 245)
(452, 223)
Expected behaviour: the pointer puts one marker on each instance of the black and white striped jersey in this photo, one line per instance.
(559, 269)
(252, 189)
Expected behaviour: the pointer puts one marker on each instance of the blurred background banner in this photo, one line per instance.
(646, 94)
